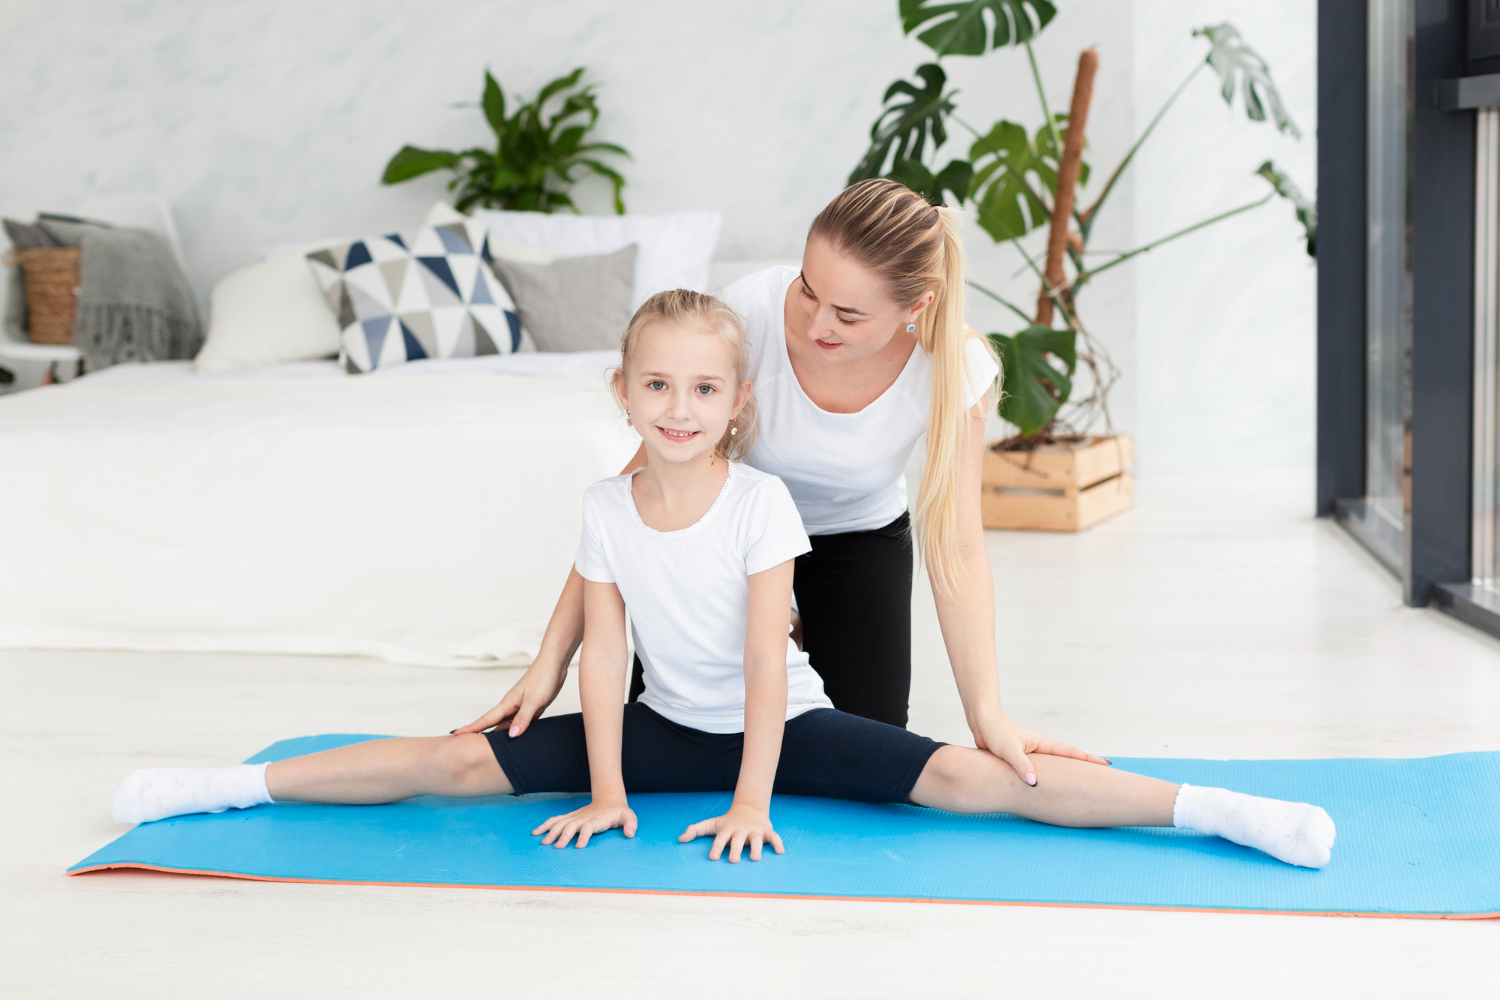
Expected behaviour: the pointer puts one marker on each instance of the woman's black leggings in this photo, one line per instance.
(854, 595)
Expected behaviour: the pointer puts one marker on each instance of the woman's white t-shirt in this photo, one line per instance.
(688, 593)
(846, 471)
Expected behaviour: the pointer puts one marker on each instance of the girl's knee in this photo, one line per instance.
(462, 759)
(951, 768)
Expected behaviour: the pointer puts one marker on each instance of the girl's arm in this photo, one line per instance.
(538, 687)
(967, 618)
(748, 821)
(601, 687)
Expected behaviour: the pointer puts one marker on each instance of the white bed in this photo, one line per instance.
(425, 515)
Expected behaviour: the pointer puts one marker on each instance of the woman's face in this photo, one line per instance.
(846, 309)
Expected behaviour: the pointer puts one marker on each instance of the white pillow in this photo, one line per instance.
(268, 313)
(675, 249)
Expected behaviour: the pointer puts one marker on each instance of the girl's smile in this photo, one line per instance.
(672, 434)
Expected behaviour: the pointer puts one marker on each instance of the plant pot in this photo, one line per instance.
(1058, 487)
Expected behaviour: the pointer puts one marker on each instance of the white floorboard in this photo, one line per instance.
(1216, 620)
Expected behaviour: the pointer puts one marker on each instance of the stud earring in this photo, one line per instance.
(911, 328)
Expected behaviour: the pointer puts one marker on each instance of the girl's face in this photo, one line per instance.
(680, 391)
(846, 310)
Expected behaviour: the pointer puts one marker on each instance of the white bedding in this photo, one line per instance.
(579, 364)
(424, 517)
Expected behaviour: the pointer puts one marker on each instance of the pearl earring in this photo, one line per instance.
(911, 328)
(733, 430)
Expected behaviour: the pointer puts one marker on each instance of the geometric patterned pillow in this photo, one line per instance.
(432, 295)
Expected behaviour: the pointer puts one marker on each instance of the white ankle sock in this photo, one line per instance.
(158, 792)
(1293, 832)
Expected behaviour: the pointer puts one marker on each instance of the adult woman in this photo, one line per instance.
(855, 358)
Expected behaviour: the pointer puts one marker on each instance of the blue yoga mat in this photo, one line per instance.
(1415, 838)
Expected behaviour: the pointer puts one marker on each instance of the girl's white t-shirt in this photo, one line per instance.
(846, 471)
(688, 592)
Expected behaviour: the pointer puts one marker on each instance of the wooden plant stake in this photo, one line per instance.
(1067, 182)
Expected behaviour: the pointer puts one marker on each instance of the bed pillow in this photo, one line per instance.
(432, 295)
(674, 249)
(267, 314)
(442, 213)
(574, 303)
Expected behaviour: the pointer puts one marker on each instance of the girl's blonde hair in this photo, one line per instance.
(915, 248)
(713, 316)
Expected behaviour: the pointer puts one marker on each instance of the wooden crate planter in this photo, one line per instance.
(1058, 487)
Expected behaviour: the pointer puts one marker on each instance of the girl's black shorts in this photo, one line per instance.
(823, 752)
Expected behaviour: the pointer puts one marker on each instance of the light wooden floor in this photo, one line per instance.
(1216, 620)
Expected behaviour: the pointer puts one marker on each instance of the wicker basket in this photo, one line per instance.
(51, 293)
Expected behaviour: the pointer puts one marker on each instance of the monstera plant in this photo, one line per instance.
(536, 152)
(1019, 180)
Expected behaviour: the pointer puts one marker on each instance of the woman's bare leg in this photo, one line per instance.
(1068, 792)
(390, 770)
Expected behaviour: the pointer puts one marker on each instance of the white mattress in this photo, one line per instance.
(425, 515)
(581, 364)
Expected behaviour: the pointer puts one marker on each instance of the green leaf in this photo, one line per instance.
(561, 83)
(1307, 211)
(906, 126)
(960, 29)
(1008, 179)
(535, 158)
(1242, 68)
(493, 103)
(1013, 175)
(567, 141)
(413, 162)
(1033, 388)
(953, 178)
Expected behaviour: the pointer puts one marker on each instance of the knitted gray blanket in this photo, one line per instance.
(134, 302)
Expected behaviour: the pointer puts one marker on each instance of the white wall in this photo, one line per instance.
(1225, 320)
(271, 121)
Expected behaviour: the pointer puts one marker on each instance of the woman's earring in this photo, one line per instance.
(733, 430)
(911, 328)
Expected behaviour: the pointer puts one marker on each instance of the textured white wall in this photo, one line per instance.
(271, 121)
(1225, 327)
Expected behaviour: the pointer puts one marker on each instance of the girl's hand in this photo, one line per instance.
(741, 825)
(596, 817)
(527, 700)
(1011, 742)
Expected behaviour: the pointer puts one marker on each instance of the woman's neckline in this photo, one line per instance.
(635, 511)
(786, 355)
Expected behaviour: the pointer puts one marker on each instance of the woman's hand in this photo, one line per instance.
(1011, 742)
(596, 817)
(740, 826)
(528, 699)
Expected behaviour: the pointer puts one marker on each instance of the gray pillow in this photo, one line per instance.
(574, 303)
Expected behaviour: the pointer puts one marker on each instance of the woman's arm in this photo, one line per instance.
(967, 618)
(538, 687)
(748, 821)
(601, 687)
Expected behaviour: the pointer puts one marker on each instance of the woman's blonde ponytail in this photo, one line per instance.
(917, 248)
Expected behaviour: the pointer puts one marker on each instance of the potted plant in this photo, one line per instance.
(536, 152)
(1055, 472)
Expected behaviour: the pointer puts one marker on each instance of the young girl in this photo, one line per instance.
(700, 549)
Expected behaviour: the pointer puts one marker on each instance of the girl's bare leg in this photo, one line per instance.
(390, 770)
(1068, 792)
(1072, 792)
